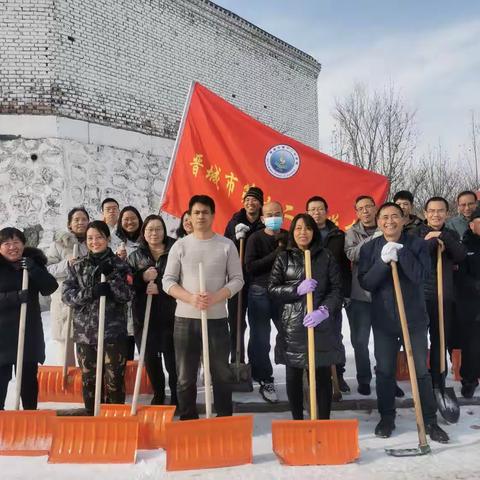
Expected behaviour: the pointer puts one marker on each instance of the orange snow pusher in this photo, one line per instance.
(51, 387)
(151, 418)
(314, 442)
(24, 432)
(94, 439)
(210, 442)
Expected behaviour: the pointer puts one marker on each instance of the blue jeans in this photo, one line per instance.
(386, 348)
(360, 319)
(261, 309)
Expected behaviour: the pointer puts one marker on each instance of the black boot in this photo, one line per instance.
(468, 388)
(385, 427)
(436, 433)
(399, 393)
(364, 389)
(343, 385)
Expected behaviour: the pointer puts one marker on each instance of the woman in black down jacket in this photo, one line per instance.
(12, 249)
(148, 264)
(288, 285)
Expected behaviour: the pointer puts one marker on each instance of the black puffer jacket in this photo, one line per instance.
(468, 278)
(454, 254)
(78, 293)
(40, 281)
(287, 273)
(162, 316)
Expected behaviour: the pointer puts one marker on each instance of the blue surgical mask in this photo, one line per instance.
(273, 223)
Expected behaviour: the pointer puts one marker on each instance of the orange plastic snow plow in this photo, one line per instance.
(314, 442)
(152, 418)
(51, 385)
(26, 432)
(131, 375)
(210, 442)
(95, 439)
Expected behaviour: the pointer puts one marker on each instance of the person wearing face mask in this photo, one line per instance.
(434, 231)
(59, 256)
(82, 290)
(14, 256)
(262, 249)
(242, 224)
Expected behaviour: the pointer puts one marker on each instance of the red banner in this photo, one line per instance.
(221, 151)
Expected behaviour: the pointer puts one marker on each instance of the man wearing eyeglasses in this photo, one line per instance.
(333, 239)
(434, 231)
(466, 205)
(359, 308)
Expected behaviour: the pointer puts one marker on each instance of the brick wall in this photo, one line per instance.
(129, 63)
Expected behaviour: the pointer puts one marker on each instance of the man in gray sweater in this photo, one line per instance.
(224, 278)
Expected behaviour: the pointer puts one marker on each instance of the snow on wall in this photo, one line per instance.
(69, 173)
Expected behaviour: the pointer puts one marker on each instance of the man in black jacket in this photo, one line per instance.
(262, 249)
(374, 275)
(433, 230)
(404, 199)
(242, 224)
(333, 239)
(469, 306)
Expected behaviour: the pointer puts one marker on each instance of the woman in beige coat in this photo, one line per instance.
(59, 256)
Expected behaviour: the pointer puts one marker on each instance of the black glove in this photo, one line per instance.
(28, 263)
(23, 296)
(106, 267)
(101, 290)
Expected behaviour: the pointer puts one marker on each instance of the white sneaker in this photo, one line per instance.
(267, 391)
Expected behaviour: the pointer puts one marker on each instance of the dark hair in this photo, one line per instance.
(364, 197)
(101, 226)
(73, 211)
(436, 199)
(147, 221)
(110, 200)
(466, 192)
(403, 195)
(204, 200)
(180, 231)
(316, 198)
(121, 232)
(309, 222)
(386, 205)
(8, 233)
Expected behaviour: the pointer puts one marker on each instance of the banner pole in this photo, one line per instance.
(177, 141)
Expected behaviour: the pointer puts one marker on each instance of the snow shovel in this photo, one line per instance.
(423, 446)
(209, 442)
(95, 439)
(24, 432)
(447, 401)
(151, 418)
(242, 373)
(314, 442)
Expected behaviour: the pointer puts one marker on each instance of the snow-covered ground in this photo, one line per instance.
(460, 459)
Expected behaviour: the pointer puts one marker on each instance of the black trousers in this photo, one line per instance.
(131, 347)
(470, 368)
(29, 390)
(294, 377)
(432, 309)
(154, 367)
(113, 382)
(232, 324)
(187, 339)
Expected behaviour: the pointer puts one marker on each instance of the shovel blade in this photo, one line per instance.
(242, 377)
(447, 403)
(409, 452)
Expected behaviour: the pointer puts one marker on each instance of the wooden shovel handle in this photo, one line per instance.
(101, 336)
(311, 344)
(422, 437)
(441, 317)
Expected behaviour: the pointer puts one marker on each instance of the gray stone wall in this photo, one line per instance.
(129, 64)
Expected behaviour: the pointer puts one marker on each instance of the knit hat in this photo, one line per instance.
(255, 192)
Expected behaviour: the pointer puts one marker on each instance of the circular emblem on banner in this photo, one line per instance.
(282, 161)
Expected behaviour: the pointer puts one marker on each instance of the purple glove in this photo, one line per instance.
(316, 317)
(308, 285)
